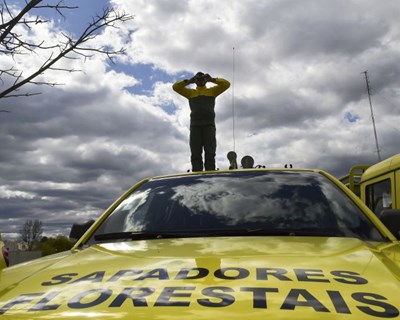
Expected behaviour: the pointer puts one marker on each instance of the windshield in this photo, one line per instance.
(284, 203)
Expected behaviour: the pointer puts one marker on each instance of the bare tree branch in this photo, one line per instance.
(13, 44)
(31, 232)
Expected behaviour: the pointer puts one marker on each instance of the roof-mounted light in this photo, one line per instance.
(247, 162)
(232, 156)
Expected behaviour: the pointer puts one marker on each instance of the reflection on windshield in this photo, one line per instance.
(241, 200)
(136, 209)
(260, 200)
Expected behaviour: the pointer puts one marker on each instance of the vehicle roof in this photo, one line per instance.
(236, 171)
(385, 166)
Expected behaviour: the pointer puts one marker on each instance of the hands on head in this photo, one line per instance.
(201, 79)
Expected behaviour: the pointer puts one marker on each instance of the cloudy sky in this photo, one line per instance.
(298, 96)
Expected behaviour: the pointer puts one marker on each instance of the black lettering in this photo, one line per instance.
(92, 277)
(43, 305)
(138, 298)
(259, 296)
(23, 298)
(124, 273)
(293, 300)
(164, 300)
(278, 273)
(217, 292)
(311, 275)
(62, 278)
(183, 274)
(348, 277)
(241, 273)
(386, 310)
(160, 274)
(99, 296)
(338, 302)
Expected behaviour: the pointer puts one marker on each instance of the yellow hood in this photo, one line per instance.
(209, 278)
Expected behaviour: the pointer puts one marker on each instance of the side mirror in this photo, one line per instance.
(79, 229)
(391, 219)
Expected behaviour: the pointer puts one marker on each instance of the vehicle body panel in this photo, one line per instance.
(279, 277)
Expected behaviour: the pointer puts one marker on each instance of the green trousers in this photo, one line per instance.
(203, 138)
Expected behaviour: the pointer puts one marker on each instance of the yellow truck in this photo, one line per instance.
(378, 186)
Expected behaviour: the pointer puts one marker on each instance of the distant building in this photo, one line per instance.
(19, 252)
(13, 245)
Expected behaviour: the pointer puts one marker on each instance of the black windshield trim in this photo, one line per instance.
(218, 233)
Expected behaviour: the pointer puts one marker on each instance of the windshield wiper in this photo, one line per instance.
(149, 235)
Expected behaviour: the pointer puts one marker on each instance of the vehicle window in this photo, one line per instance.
(271, 201)
(379, 196)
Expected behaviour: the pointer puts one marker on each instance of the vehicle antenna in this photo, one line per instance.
(372, 114)
(233, 99)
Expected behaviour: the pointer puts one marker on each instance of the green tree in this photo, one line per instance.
(54, 245)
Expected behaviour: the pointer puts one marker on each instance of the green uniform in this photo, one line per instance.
(202, 121)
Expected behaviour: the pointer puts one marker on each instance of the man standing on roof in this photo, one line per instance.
(202, 117)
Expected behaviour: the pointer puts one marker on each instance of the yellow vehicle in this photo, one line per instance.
(237, 244)
(378, 186)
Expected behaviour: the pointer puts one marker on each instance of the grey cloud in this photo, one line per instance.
(315, 29)
(68, 153)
